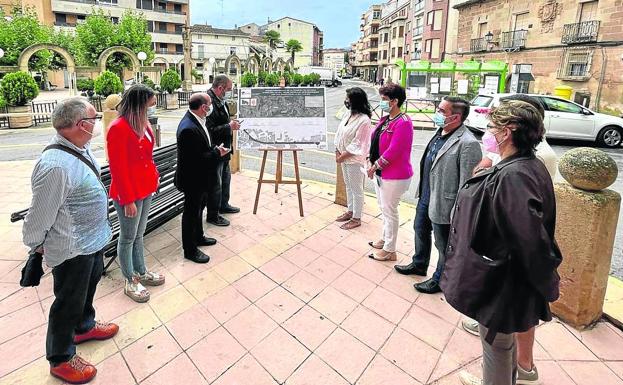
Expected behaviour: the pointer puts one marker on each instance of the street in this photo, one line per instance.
(316, 165)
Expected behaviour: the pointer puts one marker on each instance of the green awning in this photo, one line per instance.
(446, 65)
(494, 66)
(420, 65)
(468, 66)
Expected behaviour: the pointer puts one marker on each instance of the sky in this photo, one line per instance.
(338, 19)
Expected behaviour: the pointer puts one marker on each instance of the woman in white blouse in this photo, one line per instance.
(352, 143)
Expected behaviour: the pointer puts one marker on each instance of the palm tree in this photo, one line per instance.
(293, 46)
(273, 38)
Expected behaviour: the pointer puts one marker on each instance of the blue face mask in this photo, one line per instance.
(439, 119)
(384, 104)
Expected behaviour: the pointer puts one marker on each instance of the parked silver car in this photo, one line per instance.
(564, 119)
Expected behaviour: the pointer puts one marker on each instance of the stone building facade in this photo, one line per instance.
(559, 42)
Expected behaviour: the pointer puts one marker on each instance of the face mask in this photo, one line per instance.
(490, 143)
(151, 111)
(385, 105)
(209, 111)
(97, 129)
(347, 104)
(439, 119)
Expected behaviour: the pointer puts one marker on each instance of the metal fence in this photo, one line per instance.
(44, 109)
(4, 120)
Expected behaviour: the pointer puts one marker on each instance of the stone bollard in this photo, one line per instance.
(340, 187)
(586, 224)
(110, 113)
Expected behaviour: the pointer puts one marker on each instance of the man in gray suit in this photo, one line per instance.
(448, 161)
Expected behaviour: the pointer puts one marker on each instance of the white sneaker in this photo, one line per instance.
(469, 379)
(527, 377)
(471, 326)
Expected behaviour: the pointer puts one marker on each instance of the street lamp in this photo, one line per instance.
(141, 56)
(488, 37)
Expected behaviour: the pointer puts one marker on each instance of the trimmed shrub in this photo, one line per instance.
(170, 81)
(18, 88)
(108, 83)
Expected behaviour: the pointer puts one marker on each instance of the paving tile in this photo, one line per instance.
(616, 367)
(300, 255)
(204, 285)
(279, 269)
(342, 255)
(353, 285)
(314, 372)
(604, 342)
(37, 372)
(590, 373)
(250, 326)
(18, 300)
(304, 285)
(280, 354)
(333, 304)
(254, 285)
(411, 355)
(135, 324)
(401, 285)
(374, 271)
(368, 327)
(192, 325)
(358, 243)
(279, 304)
(319, 243)
(150, 353)
(345, 354)
(387, 305)
(436, 304)
(427, 327)
(561, 344)
(244, 370)
(325, 269)
(226, 303)
(113, 305)
(172, 303)
(233, 269)
(113, 370)
(97, 351)
(21, 321)
(22, 350)
(179, 371)
(185, 269)
(550, 372)
(309, 327)
(460, 350)
(278, 243)
(258, 255)
(381, 372)
(215, 353)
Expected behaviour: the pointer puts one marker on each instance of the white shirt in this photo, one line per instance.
(354, 137)
(544, 153)
(203, 125)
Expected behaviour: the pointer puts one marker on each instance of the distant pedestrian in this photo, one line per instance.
(352, 145)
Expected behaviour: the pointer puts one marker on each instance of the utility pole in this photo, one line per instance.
(187, 84)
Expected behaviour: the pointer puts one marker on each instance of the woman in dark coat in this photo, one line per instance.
(501, 255)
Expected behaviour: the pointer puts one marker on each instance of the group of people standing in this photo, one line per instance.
(68, 220)
(492, 217)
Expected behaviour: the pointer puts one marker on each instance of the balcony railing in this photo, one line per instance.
(514, 39)
(163, 51)
(62, 24)
(478, 45)
(418, 31)
(585, 32)
(169, 11)
(168, 32)
(418, 7)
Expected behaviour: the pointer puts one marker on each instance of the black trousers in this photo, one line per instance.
(72, 312)
(218, 197)
(192, 227)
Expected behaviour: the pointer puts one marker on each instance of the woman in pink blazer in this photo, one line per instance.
(390, 166)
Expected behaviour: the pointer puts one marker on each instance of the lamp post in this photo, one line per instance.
(141, 56)
(488, 37)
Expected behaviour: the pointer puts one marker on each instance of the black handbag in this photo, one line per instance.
(32, 271)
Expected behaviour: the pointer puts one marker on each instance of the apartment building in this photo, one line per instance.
(367, 54)
(548, 43)
(310, 36)
(393, 30)
(334, 58)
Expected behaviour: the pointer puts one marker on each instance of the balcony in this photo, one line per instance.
(478, 45)
(418, 31)
(63, 24)
(513, 40)
(163, 51)
(577, 33)
(418, 7)
(170, 11)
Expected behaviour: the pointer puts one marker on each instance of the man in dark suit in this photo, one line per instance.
(198, 159)
(221, 128)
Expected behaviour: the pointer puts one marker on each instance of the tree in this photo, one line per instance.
(273, 38)
(170, 81)
(293, 46)
(133, 34)
(18, 32)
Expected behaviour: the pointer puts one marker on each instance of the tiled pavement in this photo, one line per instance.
(284, 300)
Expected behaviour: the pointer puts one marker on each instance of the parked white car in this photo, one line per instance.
(564, 119)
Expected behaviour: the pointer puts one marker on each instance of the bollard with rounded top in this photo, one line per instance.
(586, 221)
(110, 113)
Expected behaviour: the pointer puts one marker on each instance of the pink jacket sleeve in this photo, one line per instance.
(401, 141)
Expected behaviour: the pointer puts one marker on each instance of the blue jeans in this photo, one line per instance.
(72, 312)
(130, 243)
(423, 227)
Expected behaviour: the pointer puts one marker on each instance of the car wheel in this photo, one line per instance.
(610, 136)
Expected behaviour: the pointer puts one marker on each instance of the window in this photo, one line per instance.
(401, 32)
(435, 46)
(232, 50)
(61, 18)
(146, 4)
(384, 54)
(386, 38)
(394, 33)
(150, 26)
(427, 46)
(393, 51)
(179, 49)
(115, 20)
(559, 105)
(162, 27)
(482, 29)
(438, 18)
(375, 29)
(177, 8)
(399, 51)
(178, 28)
(576, 63)
(430, 17)
(200, 53)
(522, 21)
(588, 11)
(161, 6)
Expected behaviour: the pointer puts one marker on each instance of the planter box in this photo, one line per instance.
(172, 101)
(20, 121)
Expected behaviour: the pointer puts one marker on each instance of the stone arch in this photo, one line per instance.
(161, 60)
(101, 61)
(253, 64)
(26, 54)
(266, 64)
(279, 65)
(235, 60)
(290, 65)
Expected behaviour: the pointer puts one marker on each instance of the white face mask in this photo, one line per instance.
(151, 111)
(97, 129)
(210, 111)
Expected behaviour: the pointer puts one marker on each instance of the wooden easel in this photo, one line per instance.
(279, 175)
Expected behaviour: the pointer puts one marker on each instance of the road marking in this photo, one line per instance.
(23, 145)
(313, 170)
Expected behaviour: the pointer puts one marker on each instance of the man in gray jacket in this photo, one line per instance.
(448, 161)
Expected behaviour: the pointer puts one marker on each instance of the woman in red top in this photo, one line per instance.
(134, 180)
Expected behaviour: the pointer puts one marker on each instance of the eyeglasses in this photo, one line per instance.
(94, 119)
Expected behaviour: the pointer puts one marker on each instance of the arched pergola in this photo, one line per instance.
(253, 64)
(266, 64)
(26, 54)
(161, 60)
(235, 61)
(279, 65)
(103, 58)
(290, 65)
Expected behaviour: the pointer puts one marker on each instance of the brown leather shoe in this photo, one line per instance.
(74, 371)
(344, 217)
(351, 224)
(101, 331)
